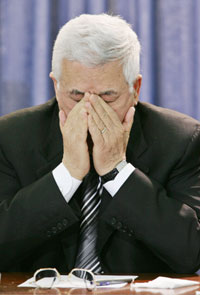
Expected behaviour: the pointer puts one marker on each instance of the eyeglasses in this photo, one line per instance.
(77, 275)
(78, 278)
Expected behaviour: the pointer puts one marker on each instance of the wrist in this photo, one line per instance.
(75, 172)
(113, 173)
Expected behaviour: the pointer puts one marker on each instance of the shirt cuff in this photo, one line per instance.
(114, 185)
(65, 182)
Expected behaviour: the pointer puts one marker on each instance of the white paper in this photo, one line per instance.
(66, 282)
(176, 291)
(165, 283)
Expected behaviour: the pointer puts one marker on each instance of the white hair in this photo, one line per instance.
(96, 40)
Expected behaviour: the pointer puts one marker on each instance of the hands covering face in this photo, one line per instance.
(109, 135)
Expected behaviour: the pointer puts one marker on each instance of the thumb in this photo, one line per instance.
(128, 121)
(62, 118)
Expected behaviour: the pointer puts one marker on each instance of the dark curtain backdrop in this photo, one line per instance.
(169, 31)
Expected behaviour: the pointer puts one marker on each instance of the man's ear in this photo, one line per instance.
(55, 82)
(136, 87)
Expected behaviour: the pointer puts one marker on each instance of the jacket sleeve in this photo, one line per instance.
(165, 217)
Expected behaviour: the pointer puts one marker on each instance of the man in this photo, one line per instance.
(145, 161)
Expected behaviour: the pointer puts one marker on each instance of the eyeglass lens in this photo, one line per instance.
(50, 273)
(86, 276)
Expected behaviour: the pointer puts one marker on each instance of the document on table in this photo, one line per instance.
(166, 286)
(165, 283)
(109, 281)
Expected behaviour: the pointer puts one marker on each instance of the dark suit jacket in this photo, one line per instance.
(151, 224)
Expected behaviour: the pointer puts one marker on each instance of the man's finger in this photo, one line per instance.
(128, 119)
(94, 131)
(104, 111)
(62, 117)
(128, 122)
(99, 123)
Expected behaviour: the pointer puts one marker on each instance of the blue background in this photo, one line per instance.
(169, 31)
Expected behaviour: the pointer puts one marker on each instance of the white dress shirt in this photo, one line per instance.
(68, 184)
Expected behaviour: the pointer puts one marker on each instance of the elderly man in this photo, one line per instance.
(94, 178)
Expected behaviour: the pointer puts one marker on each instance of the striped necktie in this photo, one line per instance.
(87, 256)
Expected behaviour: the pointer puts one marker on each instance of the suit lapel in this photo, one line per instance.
(137, 145)
(52, 147)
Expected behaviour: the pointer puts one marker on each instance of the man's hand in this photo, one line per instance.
(109, 135)
(74, 130)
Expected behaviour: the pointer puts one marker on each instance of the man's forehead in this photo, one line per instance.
(71, 66)
(79, 76)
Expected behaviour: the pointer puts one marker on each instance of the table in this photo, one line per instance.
(9, 282)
